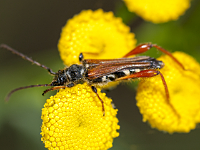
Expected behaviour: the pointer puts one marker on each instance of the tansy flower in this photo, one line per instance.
(158, 11)
(96, 34)
(73, 119)
(184, 89)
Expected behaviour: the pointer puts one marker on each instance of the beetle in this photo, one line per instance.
(102, 71)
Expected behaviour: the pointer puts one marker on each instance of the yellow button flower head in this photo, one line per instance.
(158, 11)
(97, 34)
(73, 120)
(184, 89)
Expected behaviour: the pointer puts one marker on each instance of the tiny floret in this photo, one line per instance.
(73, 119)
(184, 89)
(158, 11)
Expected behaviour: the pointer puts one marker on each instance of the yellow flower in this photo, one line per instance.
(184, 89)
(158, 11)
(97, 34)
(73, 119)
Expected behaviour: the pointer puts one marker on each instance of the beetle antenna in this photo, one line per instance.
(24, 87)
(26, 58)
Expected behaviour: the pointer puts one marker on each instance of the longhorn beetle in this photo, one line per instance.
(101, 71)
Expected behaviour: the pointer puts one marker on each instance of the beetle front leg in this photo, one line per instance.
(53, 88)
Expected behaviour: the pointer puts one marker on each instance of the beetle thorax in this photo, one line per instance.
(73, 74)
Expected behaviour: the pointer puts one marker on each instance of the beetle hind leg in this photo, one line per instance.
(145, 47)
(151, 73)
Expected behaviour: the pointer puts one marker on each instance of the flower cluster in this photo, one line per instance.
(73, 118)
(96, 34)
(184, 89)
(158, 11)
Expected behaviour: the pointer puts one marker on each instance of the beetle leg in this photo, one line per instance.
(53, 88)
(95, 91)
(151, 73)
(145, 47)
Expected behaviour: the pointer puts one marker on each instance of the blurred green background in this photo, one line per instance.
(33, 28)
